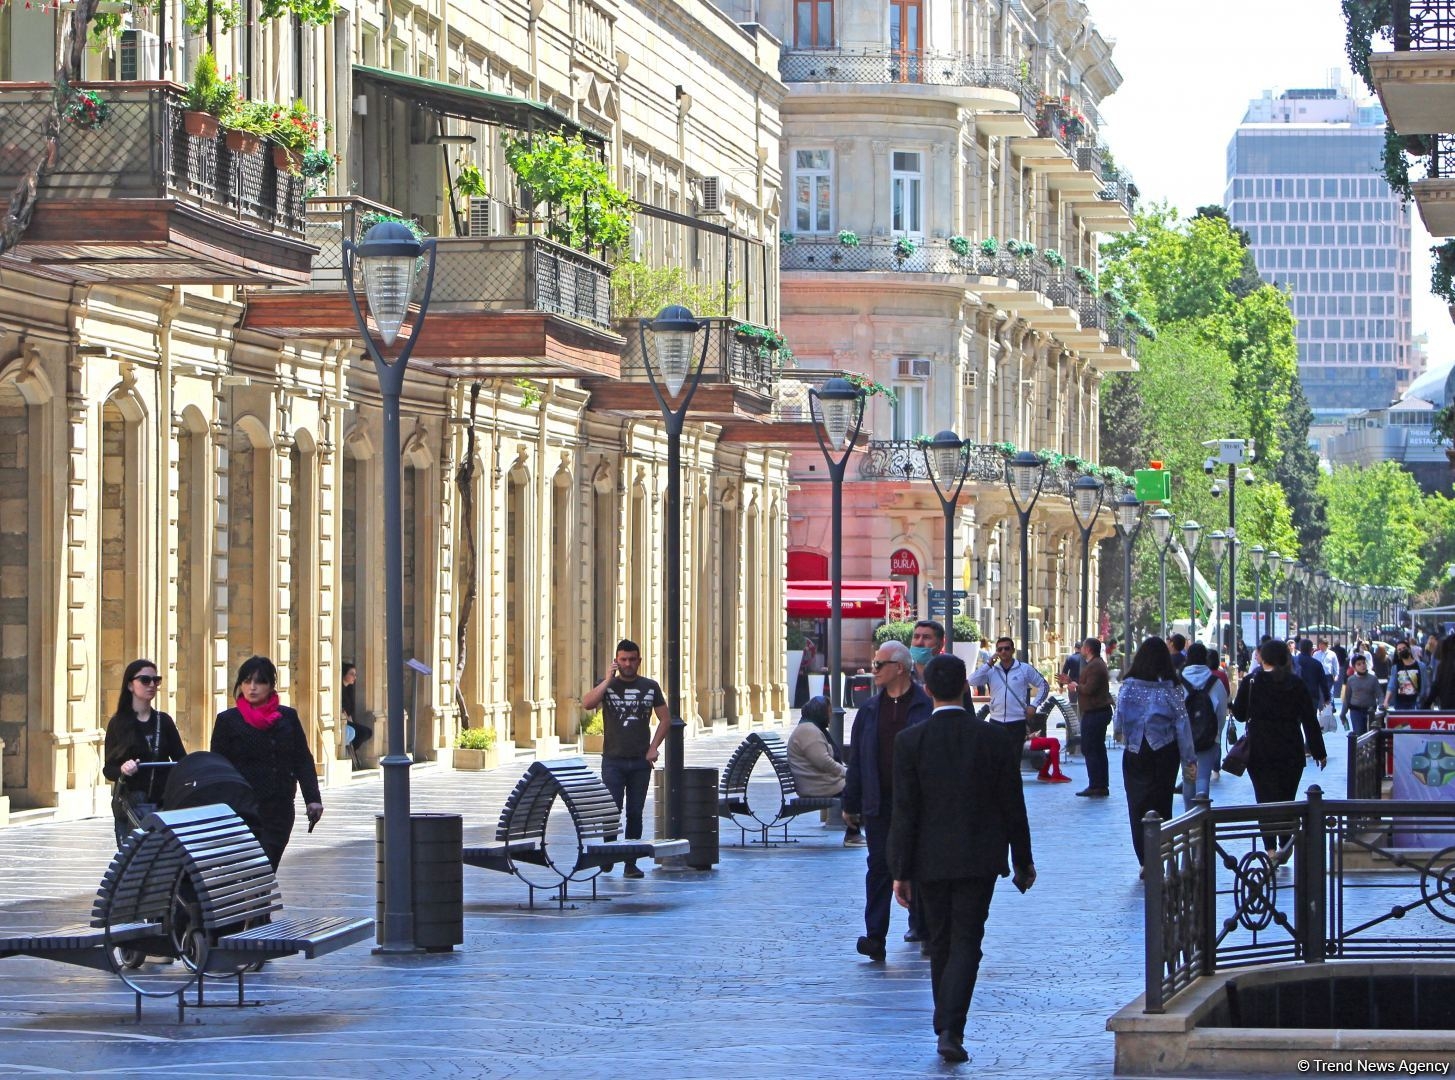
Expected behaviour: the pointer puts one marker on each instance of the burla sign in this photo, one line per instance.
(903, 563)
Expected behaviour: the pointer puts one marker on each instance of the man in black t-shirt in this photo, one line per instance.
(629, 747)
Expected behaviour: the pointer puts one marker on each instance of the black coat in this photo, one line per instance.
(127, 740)
(275, 762)
(958, 804)
(1281, 719)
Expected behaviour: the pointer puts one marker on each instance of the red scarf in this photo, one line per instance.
(261, 716)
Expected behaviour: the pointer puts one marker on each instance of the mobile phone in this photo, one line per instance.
(311, 825)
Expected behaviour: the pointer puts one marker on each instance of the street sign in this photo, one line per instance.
(1153, 485)
(938, 595)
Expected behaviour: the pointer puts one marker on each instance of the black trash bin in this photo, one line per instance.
(438, 879)
(699, 815)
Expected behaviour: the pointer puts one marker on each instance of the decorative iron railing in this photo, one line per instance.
(1423, 25)
(142, 151)
(1120, 190)
(904, 459)
(1230, 887)
(732, 358)
(1064, 290)
(895, 66)
(826, 253)
(1089, 159)
(331, 221)
(521, 273)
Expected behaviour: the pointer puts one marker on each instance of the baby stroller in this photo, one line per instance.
(136, 805)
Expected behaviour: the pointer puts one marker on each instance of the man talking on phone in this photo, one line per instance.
(958, 811)
(628, 747)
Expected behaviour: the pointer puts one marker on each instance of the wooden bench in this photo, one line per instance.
(732, 801)
(190, 886)
(520, 837)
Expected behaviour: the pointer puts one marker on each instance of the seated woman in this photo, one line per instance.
(1051, 768)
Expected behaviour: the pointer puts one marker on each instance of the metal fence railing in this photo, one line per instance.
(904, 459)
(897, 66)
(521, 273)
(733, 357)
(1423, 25)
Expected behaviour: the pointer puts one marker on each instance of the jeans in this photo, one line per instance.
(1093, 747)
(1358, 720)
(628, 779)
(1207, 761)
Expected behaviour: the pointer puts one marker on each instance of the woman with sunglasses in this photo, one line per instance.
(265, 741)
(138, 735)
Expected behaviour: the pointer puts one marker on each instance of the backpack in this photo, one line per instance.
(1203, 716)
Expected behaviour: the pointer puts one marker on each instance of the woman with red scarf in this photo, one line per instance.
(265, 742)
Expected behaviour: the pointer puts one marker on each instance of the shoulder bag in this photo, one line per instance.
(1236, 761)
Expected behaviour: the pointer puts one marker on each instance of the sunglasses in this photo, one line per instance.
(877, 664)
(149, 680)
(1005, 648)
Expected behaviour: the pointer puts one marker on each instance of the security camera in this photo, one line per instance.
(1248, 477)
(1209, 466)
(1217, 489)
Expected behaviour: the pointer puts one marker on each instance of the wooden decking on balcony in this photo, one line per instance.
(135, 198)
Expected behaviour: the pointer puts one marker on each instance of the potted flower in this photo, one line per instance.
(295, 131)
(1054, 259)
(248, 125)
(593, 732)
(990, 247)
(475, 749)
(904, 247)
(848, 238)
(84, 109)
(960, 245)
(208, 100)
(786, 239)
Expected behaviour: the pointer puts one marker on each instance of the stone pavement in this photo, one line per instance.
(745, 971)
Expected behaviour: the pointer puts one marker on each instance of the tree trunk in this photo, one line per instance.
(465, 485)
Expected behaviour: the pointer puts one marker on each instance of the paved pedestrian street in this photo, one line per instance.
(746, 971)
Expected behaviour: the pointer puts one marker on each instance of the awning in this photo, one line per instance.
(858, 599)
(476, 106)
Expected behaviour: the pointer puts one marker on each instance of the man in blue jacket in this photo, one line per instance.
(898, 702)
(1313, 675)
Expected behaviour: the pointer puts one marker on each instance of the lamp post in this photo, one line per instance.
(1086, 496)
(674, 335)
(1023, 476)
(1161, 519)
(1217, 547)
(1325, 596)
(1256, 555)
(840, 415)
(1288, 562)
(1129, 524)
(1275, 565)
(1191, 538)
(388, 258)
(946, 456)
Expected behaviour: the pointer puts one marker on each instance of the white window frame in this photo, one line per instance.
(814, 176)
(913, 182)
(909, 413)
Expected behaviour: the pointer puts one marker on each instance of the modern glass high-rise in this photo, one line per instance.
(1305, 183)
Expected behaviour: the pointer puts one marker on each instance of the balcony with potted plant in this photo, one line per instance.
(980, 83)
(1415, 81)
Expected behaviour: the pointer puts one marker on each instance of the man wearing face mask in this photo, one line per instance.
(1405, 680)
(926, 641)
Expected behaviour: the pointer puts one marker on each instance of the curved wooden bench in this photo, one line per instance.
(520, 836)
(732, 801)
(191, 886)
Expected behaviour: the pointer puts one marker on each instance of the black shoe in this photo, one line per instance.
(924, 950)
(631, 870)
(1094, 793)
(951, 1048)
(873, 948)
(608, 868)
(913, 935)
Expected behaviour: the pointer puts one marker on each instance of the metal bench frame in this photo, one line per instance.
(732, 800)
(191, 886)
(520, 836)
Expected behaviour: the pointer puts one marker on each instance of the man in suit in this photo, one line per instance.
(958, 809)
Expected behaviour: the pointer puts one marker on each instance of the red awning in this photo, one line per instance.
(859, 599)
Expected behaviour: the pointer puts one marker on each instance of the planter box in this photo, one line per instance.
(591, 744)
(285, 160)
(475, 760)
(200, 125)
(244, 142)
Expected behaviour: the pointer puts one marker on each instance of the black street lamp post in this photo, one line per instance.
(388, 258)
(1256, 555)
(674, 333)
(946, 455)
(1217, 547)
(1129, 524)
(1086, 496)
(840, 415)
(1289, 563)
(1162, 523)
(1191, 538)
(1023, 476)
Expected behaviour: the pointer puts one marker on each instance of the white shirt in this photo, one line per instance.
(1011, 690)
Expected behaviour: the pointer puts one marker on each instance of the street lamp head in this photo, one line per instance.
(1161, 525)
(838, 399)
(674, 332)
(948, 453)
(1025, 475)
(1217, 544)
(1256, 555)
(1128, 511)
(1086, 498)
(1288, 562)
(1191, 537)
(388, 255)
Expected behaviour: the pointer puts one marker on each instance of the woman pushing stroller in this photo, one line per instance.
(138, 737)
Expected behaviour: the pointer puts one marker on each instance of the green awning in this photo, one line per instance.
(476, 106)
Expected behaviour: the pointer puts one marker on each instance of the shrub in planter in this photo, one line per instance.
(960, 245)
(475, 738)
(250, 123)
(848, 238)
(209, 100)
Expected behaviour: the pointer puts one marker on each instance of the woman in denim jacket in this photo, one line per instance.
(1152, 721)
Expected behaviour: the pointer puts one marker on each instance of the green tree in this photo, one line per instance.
(1297, 472)
(1377, 522)
(1437, 574)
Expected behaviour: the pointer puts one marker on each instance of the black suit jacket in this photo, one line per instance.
(958, 805)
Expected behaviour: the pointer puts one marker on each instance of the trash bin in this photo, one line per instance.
(699, 814)
(861, 689)
(438, 879)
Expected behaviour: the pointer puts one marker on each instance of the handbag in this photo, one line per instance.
(1236, 763)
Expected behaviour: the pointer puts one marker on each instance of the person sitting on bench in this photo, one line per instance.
(814, 760)
(1051, 768)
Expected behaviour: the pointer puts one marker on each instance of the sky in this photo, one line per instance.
(1189, 69)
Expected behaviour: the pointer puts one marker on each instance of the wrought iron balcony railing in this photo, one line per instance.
(331, 221)
(904, 459)
(1063, 290)
(141, 151)
(895, 66)
(1421, 25)
(829, 254)
(1120, 190)
(1089, 158)
(521, 273)
(732, 358)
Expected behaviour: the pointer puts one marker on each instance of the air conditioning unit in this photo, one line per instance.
(481, 217)
(141, 56)
(913, 369)
(1033, 633)
(711, 195)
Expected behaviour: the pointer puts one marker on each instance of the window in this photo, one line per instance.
(906, 193)
(813, 24)
(909, 413)
(813, 191)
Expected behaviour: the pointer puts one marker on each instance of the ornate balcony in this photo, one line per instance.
(977, 84)
(1435, 194)
(1416, 82)
(135, 198)
(1110, 207)
(904, 459)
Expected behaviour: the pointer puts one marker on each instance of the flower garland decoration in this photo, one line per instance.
(871, 387)
(85, 109)
(960, 246)
(1054, 258)
(848, 238)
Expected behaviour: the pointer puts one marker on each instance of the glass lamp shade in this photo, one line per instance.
(1257, 554)
(946, 451)
(1191, 537)
(837, 402)
(1217, 544)
(1025, 475)
(1162, 525)
(674, 332)
(1086, 492)
(388, 256)
(1287, 562)
(1128, 511)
